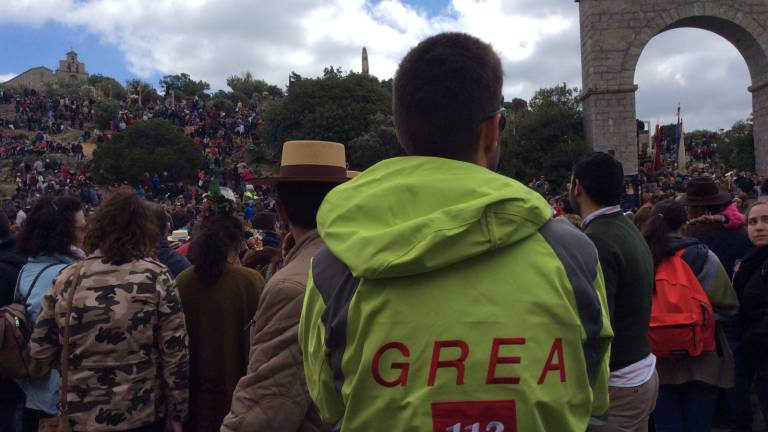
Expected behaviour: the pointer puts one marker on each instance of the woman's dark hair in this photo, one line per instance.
(213, 240)
(123, 228)
(666, 217)
(50, 227)
(641, 217)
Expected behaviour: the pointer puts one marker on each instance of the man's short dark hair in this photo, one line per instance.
(444, 88)
(264, 221)
(301, 201)
(602, 178)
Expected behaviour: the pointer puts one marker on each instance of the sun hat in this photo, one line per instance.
(311, 161)
(703, 192)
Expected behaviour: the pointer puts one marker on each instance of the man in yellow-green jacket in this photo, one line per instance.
(446, 297)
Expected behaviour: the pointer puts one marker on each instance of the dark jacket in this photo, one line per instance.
(175, 261)
(728, 245)
(10, 265)
(751, 284)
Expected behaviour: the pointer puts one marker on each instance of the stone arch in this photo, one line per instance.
(613, 36)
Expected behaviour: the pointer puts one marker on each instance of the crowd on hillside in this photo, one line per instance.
(38, 170)
(427, 293)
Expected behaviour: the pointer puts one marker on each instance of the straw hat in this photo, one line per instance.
(311, 161)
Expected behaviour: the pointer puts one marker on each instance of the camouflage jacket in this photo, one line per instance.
(128, 363)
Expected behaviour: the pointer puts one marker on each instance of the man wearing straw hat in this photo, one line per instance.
(447, 298)
(273, 395)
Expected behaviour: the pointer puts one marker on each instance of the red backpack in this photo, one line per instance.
(682, 321)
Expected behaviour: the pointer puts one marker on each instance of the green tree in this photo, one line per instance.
(737, 148)
(222, 104)
(107, 86)
(516, 106)
(185, 84)
(246, 84)
(105, 111)
(379, 143)
(332, 108)
(148, 146)
(137, 87)
(545, 138)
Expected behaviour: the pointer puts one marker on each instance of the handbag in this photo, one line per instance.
(60, 422)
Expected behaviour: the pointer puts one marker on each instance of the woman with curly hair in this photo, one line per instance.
(220, 298)
(128, 360)
(51, 237)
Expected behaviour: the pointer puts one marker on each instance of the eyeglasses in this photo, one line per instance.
(502, 118)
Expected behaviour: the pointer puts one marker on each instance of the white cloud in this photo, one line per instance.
(538, 41)
(212, 39)
(7, 76)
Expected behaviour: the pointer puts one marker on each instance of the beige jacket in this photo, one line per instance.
(273, 395)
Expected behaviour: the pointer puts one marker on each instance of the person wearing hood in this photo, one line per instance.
(751, 284)
(689, 384)
(11, 262)
(446, 296)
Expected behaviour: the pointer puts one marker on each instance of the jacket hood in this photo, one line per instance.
(414, 214)
(674, 244)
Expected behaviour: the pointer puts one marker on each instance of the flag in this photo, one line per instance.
(657, 151)
(681, 151)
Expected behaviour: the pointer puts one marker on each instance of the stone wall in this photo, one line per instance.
(33, 78)
(613, 36)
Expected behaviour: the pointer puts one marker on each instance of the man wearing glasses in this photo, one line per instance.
(446, 297)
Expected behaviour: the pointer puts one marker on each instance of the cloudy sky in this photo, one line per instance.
(538, 41)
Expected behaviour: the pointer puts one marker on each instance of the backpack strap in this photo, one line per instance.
(64, 367)
(34, 281)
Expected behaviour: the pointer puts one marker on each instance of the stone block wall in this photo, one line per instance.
(613, 36)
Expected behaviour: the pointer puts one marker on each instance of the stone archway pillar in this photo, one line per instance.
(760, 123)
(609, 124)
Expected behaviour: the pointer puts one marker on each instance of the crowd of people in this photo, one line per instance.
(426, 293)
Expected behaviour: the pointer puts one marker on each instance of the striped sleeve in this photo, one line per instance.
(715, 282)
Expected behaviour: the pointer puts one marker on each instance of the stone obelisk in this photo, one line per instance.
(365, 61)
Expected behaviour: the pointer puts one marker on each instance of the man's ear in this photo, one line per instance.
(577, 187)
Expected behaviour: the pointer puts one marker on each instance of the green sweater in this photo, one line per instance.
(628, 271)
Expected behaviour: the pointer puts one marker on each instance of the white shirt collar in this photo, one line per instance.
(603, 211)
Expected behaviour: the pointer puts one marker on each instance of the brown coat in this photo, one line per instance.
(217, 318)
(273, 395)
